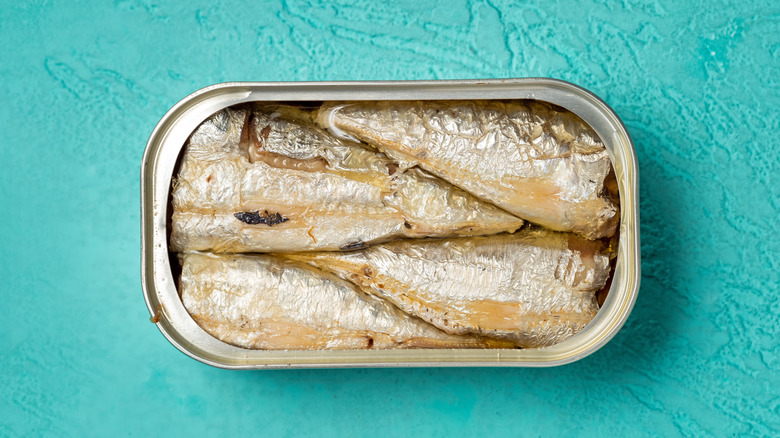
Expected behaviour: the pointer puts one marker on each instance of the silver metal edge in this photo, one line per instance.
(629, 211)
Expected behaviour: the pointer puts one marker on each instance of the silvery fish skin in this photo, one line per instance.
(544, 165)
(262, 302)
(267, 179)
(534, 288)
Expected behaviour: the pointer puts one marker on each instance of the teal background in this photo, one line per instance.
(84, 83)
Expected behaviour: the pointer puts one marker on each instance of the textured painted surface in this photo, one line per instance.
(84, 84)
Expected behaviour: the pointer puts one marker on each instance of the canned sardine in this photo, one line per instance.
(271, 239)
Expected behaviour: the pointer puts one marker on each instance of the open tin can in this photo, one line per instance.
(171, 134)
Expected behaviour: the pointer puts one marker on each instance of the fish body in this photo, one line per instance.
(263, 302)
(543, 165)
(534, 288)
(242, 166)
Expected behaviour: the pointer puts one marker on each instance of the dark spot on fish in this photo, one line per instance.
(381, 285)
(354, 245)
(370, 342)
(208, 179)
(407, 224)
(368, 272)
(264, 133)
(255, 217)
(591, 181)
(391, 168)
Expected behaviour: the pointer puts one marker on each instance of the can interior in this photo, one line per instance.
(610, 185)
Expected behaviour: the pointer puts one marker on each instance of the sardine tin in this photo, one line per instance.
(170, 136)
